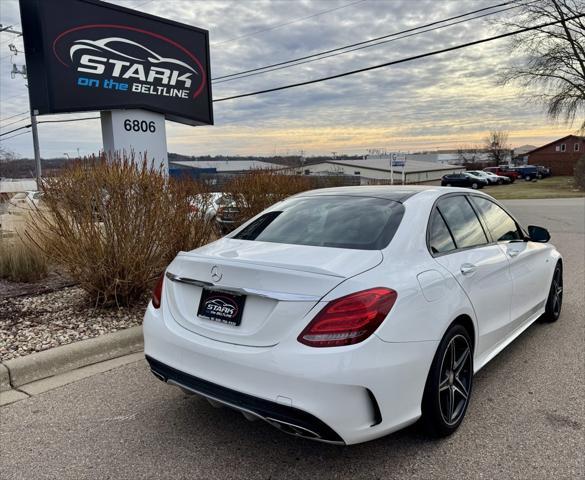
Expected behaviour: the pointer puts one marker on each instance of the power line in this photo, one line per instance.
(365, 41)
(402, 60)
(268, 70)
(50, 121)
(17, 135)
(15, 121)
(14, 130)
(15, 115)
(323, 12)
(68, 120)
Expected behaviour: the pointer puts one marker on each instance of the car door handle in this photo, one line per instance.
(468, 268)
(513, 253)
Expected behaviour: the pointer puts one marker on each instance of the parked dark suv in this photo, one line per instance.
(529, 172)
(463, 180)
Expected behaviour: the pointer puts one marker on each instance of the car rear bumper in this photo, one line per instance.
(288, 419)
(339, 395)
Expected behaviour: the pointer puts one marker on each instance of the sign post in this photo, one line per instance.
(397, 160)
(139, 132)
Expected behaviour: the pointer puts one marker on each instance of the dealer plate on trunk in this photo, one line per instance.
(221, 307)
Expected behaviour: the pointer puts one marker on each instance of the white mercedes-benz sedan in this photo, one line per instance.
(345, 314)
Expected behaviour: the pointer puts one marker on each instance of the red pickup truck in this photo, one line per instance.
(504, 172)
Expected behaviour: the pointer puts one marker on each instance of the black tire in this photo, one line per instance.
(500, 181)
(449, 384)
(554, 302)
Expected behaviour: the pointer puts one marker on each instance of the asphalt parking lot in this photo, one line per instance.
(526, 419)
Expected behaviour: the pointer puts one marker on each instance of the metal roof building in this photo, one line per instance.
(374, 170)
(227, 166)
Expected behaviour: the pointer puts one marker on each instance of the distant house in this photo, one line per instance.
(519, 154)
(560, 156)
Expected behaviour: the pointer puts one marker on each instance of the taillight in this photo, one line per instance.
(350, 319)
(157, 291)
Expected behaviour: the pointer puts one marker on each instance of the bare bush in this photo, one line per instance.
(257, 190)
(114, 224)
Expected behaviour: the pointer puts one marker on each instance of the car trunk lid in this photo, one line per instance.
(281, 284)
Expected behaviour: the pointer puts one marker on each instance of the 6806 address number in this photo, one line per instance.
(139, 126)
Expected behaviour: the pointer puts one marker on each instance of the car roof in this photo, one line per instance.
(397, 193)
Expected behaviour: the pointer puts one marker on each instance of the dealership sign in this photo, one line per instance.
(87, 55)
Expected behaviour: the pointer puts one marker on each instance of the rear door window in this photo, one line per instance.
(440, 239)
(501, 225)
(462, 221)
(362, 223)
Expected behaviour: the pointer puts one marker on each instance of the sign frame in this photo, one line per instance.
(40, 68)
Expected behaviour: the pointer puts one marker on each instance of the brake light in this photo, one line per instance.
(157, 291)
(350, 319)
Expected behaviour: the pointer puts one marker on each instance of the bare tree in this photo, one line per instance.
(552, 59)
(6, 155)
(496, 143)
(468, 154)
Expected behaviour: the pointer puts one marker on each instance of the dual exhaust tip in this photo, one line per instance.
(286, 427)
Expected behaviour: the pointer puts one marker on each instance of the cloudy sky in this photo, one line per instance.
(445, 101)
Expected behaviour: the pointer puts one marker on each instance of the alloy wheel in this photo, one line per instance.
(455, 381)
(557, 292)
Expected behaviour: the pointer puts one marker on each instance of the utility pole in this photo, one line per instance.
(37, 150)
(33, 118)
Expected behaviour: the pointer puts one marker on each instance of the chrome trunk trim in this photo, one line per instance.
(280, 296)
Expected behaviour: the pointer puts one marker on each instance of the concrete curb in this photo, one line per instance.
(4, 379)
(36, 366)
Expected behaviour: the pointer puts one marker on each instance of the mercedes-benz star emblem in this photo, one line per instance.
(216, 275)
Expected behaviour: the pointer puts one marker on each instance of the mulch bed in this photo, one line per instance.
(36, 317)
(55, 280)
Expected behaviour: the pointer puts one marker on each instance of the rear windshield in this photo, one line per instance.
(361, 223)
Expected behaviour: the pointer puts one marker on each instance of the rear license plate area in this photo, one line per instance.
(221, 307)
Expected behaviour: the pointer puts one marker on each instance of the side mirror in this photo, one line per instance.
(538, 234)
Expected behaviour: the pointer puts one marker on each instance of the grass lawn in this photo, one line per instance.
(553, 187)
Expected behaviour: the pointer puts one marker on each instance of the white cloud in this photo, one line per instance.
(445, 100)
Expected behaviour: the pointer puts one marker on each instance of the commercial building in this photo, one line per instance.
(560, 156)
(377, 170)
(202, 168)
